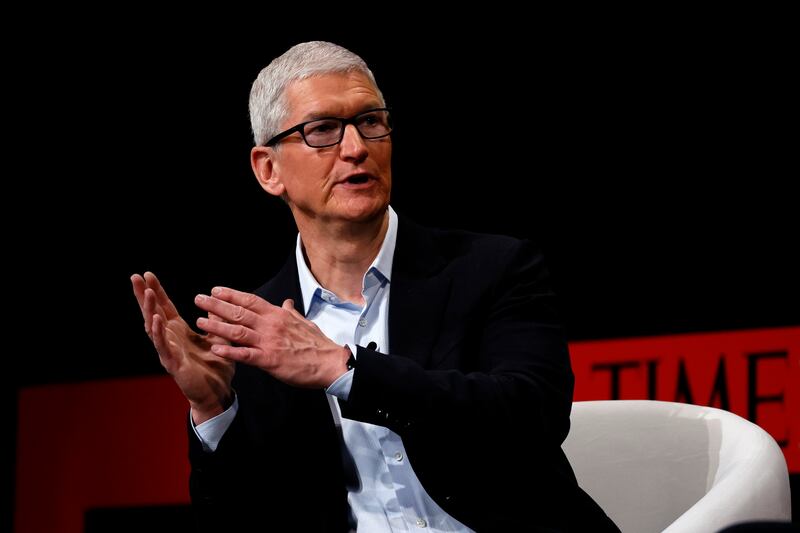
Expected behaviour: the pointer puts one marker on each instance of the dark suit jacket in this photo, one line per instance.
(477, 383)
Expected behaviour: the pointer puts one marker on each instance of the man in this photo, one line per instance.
(442, 408)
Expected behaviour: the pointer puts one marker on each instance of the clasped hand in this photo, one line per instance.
(278, 340)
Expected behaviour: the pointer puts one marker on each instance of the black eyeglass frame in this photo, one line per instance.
(345, 121)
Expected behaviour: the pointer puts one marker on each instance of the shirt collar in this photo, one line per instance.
(382, 264)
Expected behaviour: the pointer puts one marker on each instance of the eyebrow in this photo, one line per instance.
(314, 115)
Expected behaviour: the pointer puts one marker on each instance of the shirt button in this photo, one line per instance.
(421, 522)
(362, 322)
(398, 456)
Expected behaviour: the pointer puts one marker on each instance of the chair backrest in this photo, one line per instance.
(673, 467)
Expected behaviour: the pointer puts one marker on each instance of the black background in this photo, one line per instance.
(652, 157)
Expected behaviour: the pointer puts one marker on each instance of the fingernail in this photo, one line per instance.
(216, 291)
(202, 320)
(200, 298)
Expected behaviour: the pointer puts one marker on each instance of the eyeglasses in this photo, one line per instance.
(329, 131)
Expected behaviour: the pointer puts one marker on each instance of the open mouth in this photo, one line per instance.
(358, 179)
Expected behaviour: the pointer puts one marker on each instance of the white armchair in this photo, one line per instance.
(673, 467)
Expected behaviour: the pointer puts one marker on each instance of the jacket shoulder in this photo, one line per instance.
(485, 249)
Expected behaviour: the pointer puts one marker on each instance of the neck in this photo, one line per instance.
(339, 254)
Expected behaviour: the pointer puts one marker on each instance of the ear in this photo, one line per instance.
(265, 167)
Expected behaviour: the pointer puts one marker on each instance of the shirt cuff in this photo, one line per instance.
(211, 431)
(342, 385)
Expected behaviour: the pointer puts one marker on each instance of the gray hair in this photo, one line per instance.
(268, 107)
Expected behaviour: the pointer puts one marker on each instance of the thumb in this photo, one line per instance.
(288, 304)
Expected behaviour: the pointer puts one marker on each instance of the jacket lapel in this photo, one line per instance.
(285, 284)
(419, 290)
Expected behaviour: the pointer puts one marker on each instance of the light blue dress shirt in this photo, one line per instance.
(385, 494)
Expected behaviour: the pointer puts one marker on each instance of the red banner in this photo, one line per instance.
(113, 443)
(753, 373)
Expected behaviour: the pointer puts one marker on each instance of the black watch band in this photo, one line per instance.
(351, 362)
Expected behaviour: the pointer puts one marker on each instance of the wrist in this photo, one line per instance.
(204, 411)
(341, 365)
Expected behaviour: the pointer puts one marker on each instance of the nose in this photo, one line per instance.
(353, 147)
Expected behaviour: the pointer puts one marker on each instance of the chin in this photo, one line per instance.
(360, 211)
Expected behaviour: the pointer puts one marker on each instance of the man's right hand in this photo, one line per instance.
(204, 378)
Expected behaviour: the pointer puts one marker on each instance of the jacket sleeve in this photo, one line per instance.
(522, 372)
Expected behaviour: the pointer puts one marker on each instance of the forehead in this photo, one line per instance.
(330, 95)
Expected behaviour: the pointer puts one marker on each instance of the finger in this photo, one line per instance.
(149, 311)
(215, 338)
(162, 344)
(231, 332)
(235, 314)
(161, 295)
(242, 354)
(139, 287)
(245, 299)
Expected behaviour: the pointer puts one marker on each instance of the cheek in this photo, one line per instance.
(307, 173)
(384, 159)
